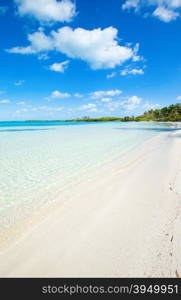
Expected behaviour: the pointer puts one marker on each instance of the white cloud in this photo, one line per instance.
(130, 4)
(22, 110)
(134, 100)
(112, 106)
(19, 82)
(169, 3)
(90, 107)
(165, 10)
(131, 103)
(98, 47)
(21, 103)
(21, 50)
(126, 72)
(128, 104)
(140, 3)
(101, 94)
(164, 14)
(43, 56)
(47, 10)
(38, 42)
(179, 98)
(78, 95)
(4, 101)
(47, 108)
(59, 95)
(60, 67)
(111, 75)
(147, 105)
(43, 108)
(106, 100)
(136, 57)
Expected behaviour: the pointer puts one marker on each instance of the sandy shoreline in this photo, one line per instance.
(125, 223)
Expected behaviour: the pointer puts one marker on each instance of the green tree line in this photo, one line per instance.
(171, 113)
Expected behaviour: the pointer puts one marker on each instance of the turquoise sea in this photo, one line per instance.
(38, 160)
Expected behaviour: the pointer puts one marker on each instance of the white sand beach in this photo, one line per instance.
(124, 222)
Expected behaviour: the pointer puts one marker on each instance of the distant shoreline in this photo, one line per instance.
(171, 113)
(88, 121)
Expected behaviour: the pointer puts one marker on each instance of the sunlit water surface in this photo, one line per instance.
(40, 159)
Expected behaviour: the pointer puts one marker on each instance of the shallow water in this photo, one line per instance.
(40, 159)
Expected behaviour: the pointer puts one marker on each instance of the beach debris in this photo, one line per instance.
(170, 187)
(177, 274)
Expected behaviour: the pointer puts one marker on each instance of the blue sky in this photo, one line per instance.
(66, 59)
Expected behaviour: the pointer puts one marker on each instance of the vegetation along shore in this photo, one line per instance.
(171, 113)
